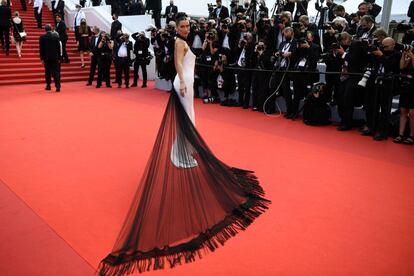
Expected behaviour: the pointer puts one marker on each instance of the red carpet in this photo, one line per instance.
(342, 203)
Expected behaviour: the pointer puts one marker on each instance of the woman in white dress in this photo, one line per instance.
(188, 202)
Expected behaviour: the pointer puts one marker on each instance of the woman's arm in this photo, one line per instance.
(178, 60)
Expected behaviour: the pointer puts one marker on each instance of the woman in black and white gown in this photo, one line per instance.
(188, 202)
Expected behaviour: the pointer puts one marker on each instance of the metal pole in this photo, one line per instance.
(386, 15)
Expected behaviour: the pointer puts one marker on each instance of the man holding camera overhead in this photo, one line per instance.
(142, 56)
(220, 12)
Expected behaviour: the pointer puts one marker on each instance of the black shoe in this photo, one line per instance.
(119, 86)
(343, 128)
(144, 86)
(367, 132)
(134, 85)
(126, 86)
(245, 107)
(255, 109)
(380, 137)
(88, 84)
(294, 117)
(57, 89)
(98, 86)
(109, 86)
(47, 88)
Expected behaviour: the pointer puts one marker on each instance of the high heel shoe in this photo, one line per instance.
(83, 66)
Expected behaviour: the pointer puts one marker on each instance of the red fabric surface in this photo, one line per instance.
(341, 203)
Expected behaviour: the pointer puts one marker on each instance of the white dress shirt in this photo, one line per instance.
(122, 52)
(38, 4)
(78, 17)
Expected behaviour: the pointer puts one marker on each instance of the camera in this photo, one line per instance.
(335, 46)
(151, 29)
(365, 78)
(403, 27)
(210, 35)
(404, 47)
(297, 25)
(165, 35)
(210, 7)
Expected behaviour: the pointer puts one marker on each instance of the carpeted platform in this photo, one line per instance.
(342, 203)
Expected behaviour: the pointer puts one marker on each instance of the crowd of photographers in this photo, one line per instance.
(264, 56)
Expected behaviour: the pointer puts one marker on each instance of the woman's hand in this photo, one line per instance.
(183, 89)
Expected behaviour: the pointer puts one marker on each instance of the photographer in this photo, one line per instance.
(222, 79)
(196, 38)
(355, 56)
(105, 47)
(260, 83)
(334, 63)
(94, 53)
(339, 11)
(409, 34)
(244, 56)
(285, 62)
(406, 97)
(369, 8)
(266, 33)
(165, 55)
(208, 57)
(279, 24)
(306, 59)
(226, 42)
(387, 64)
(366, 28)
(353, 26)
(142, 57)
(122, 52)
(310, 27)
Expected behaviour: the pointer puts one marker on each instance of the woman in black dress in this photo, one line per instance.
(19, 35)
(84, 37)
(406, 98)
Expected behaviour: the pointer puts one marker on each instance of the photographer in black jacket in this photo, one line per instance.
(306, 59)
(387, 64)
(222, 79)
(262, 60)
(142, 56)
(105, 47)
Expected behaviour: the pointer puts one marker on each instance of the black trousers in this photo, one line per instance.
(23, 3)
(52, 69)
(156, 14)
(122, 67)
(143, 66)
(332, 86)
(299, 91)
(92, 70)
(104, 68)
(382, 106)
(287, 93)
(244, 80)
(347, 94)
(38, 17)
(64, 51)
(260, 89)
(5, 37)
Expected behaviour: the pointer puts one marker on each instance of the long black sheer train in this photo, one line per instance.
(186, 207)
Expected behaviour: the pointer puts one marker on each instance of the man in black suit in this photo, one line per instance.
(155, 6)
(96, 3)
(141, 54)
(115, 26)
(94, 53)
(122, 53)
(170, 12)
(136, 8)
(58, 7)
(63, 36)
(50, 54)
(220, 12)
(366, 28)
(5, 24)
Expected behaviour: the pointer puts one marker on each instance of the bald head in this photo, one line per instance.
(388, 44)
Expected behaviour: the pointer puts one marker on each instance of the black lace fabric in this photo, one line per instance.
(187, 204)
